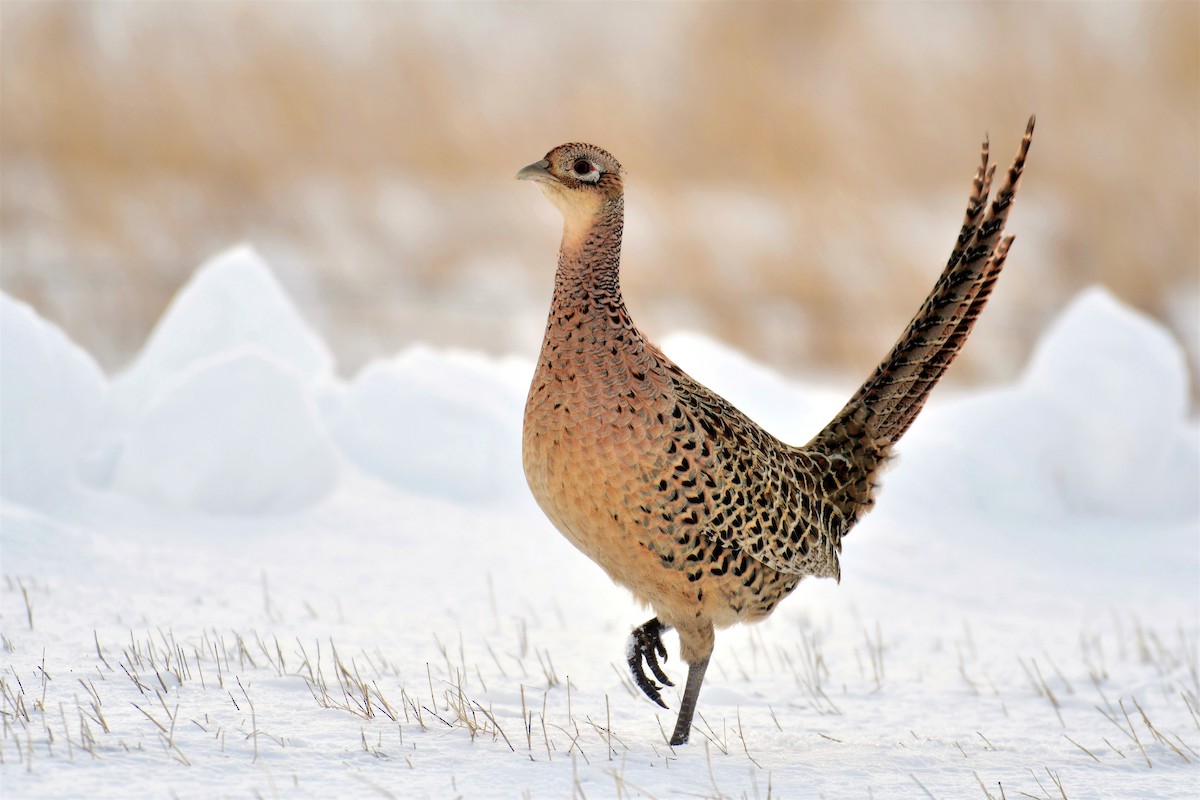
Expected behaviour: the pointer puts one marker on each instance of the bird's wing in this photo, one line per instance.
(786, 508)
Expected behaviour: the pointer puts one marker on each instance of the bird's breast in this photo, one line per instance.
(588, 441)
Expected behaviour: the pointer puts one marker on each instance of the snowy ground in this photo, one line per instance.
(228, 573)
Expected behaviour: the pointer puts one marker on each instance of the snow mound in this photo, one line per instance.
(1116, 383)
(1097, 425)
(237, 434)
(51, 396)
(217, 412)
(437, 423)
(232, 301)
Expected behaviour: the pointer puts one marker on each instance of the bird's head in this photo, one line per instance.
(580, 179)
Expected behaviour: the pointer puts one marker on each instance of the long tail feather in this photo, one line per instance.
(887, 403)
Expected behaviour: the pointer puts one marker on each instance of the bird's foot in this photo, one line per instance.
(646, 644)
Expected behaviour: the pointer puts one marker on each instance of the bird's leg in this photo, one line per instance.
(691, 693)
(646, 644)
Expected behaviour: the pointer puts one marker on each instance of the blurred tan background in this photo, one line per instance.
(796, 172)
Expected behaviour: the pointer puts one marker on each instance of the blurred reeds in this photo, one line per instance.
(796, 172)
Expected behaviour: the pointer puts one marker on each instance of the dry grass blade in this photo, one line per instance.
(986, 793)
(742, 736)
(1133, 733)
(1155, 732)
(1081, 747)
(921, 786)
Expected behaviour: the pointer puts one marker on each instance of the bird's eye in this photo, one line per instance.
(585, 170)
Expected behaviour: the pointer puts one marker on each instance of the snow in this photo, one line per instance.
(51, 397)
(274, 582)
(233, 301)
(1096, 425)
(1117, 385)
(467, 443)
(238, 434)
(232, 357)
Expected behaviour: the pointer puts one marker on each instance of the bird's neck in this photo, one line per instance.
(589, 261)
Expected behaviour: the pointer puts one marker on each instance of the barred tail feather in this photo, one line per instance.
(887, 403)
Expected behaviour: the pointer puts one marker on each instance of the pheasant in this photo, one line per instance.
(680, 497)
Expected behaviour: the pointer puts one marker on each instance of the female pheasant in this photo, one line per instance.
(677, 495)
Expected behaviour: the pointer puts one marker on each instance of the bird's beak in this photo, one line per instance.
(537, 171)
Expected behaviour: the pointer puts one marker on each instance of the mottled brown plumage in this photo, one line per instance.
(676, 494)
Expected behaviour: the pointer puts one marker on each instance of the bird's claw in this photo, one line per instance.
(646, 645)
